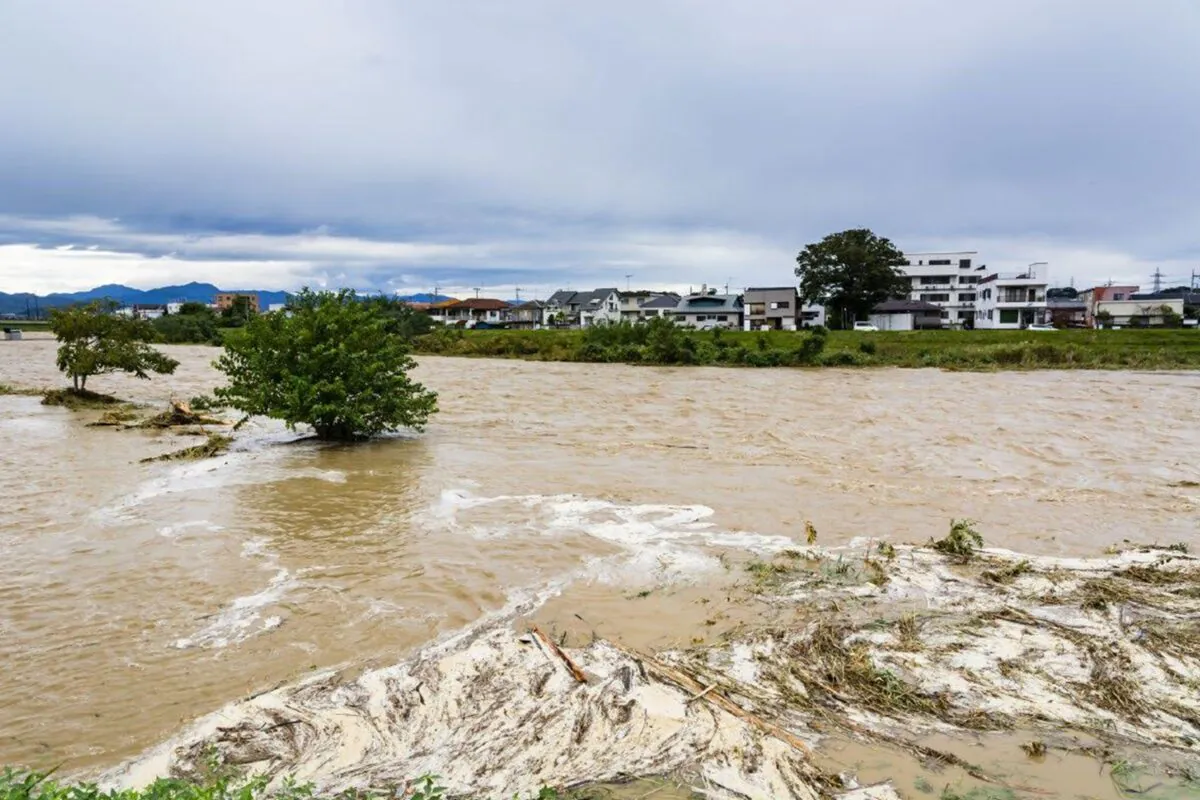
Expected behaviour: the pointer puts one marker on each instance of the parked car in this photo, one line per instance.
(865, 326)
(1041, 326)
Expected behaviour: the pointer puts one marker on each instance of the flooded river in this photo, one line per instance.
(136, 596)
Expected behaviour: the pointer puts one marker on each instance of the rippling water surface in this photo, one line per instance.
(134, 596)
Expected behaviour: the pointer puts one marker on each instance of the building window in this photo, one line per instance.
(989, 313)
(964, 315)
(966, 297)
(939, 262)
(964, 263)
(936, 298)
(1119, 296)
(971, 279)
(722, 318)
(936, 280)
(699, 318)
(1008, 316)
(781, 304)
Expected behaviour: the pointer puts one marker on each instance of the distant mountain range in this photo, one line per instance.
(21, 303)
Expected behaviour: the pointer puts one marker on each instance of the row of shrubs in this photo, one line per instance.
(661, 342)
(658, 341)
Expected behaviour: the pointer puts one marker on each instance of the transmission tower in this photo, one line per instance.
(1157, 276)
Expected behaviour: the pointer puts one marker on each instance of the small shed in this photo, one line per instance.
(906, 315)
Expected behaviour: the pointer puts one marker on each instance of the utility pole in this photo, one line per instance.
(476, 290)
(517, 289)
(628, 275)
(1195, 279)
(1157, 276)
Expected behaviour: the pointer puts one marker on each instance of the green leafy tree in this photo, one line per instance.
(850, 272)
(333, 363)
(195, 323)
(238, 313)
(93, 340)
(403, 319)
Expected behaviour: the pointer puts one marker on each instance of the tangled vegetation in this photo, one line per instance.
(221, 784)
(662, 343)
(961, 542)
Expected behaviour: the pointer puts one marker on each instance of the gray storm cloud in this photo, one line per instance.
(537, 138)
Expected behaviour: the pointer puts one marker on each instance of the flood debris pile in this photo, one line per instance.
(885, 644)
(1107, 646)
(179, 414)
(214, 445)
(493, 714)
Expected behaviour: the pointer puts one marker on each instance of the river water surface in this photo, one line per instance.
(136, 596)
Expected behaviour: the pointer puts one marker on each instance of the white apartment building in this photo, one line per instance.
(948, 280)
(1009, 301)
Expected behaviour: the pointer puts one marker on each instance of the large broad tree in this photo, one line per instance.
(330, 361)
(94, 340)
(849, 272)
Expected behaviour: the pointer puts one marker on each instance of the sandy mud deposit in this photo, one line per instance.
(888, 645)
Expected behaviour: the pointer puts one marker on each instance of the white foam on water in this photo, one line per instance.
(242, 618)
(181, 528)
(668, 542)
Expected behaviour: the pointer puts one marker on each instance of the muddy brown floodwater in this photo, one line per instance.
(134, 597)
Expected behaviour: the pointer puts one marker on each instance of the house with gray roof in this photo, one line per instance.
(710, 311)
(662, 306)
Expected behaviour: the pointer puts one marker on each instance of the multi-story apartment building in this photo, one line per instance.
(1013, 300)
(948, 280)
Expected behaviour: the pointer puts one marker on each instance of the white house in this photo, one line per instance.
(906, 315)
(1139, 313)
(1010, 301)
(710, 311)
(948, 280)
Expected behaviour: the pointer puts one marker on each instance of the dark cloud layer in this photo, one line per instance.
(683, 140)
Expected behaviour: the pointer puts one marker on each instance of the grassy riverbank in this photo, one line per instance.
(971, 350)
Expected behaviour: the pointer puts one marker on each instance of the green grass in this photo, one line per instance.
(965, 350)
(20, 785)
(25, 324)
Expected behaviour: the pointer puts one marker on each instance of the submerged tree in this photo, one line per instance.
(851, 271)
(95, 341)
(333, 362)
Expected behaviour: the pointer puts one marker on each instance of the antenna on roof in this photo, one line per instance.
(476, 290)
(628, 275)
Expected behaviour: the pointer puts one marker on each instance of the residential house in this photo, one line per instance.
(600, 307)
(774, 308)
(710, 311)
(632, 303)
(438, 311)
(1101, 294)
(663, 306)
(1067, 312)
(476, 311)
(561, 308)
(1138, 313)
(779, 308)
(1010, 301)
(581, 309)
(906, 315)
(226, 300)
(948, 280)
(528, 315)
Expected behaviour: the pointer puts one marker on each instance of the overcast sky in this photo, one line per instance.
(544, 144)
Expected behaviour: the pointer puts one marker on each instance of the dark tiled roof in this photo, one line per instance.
(666, 301)
(905, 307)
(702, 303)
